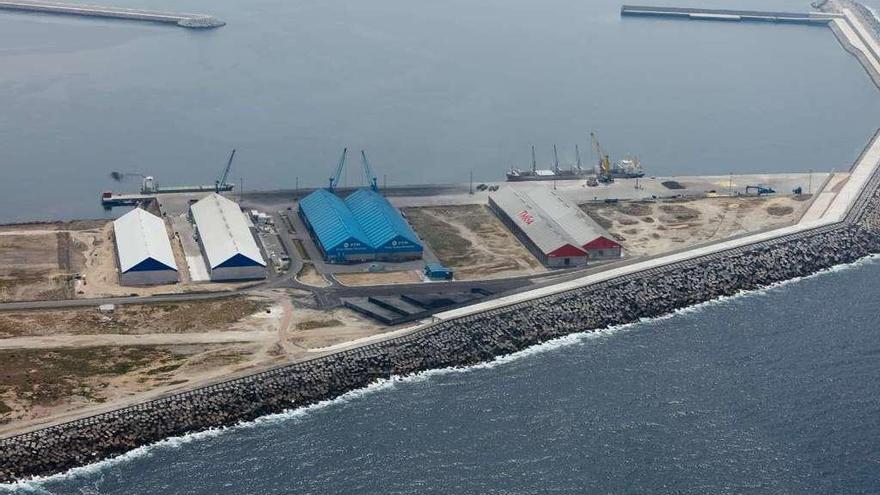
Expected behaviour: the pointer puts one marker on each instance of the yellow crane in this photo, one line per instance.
(604, 174)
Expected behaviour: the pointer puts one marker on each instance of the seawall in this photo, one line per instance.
(817, 18)
(195, 21)
(461, 342)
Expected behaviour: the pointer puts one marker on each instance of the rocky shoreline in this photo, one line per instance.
(462, 342)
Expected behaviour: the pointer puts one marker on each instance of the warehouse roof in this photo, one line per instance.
(574, 222)
(142, 242)
(553, 223)
(225, 235)
(380, 221)
(331, 220)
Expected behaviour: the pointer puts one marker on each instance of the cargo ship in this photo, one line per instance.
(625, 168)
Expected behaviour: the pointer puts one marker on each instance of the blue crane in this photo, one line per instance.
(368, 172)
(334, 181)
(222, 184)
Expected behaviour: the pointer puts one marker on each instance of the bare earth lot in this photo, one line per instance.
(59, 363)
(647, 228)
(39, 261)
(472, 241)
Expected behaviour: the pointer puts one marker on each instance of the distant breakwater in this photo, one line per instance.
(461, 342)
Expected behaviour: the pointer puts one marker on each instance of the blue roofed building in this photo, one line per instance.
(386, 228)
(362, 227)
(335, 230)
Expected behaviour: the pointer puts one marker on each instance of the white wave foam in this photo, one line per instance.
(36, 484)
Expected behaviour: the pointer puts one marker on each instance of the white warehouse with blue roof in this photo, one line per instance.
(226, 240)
(143, 250)
(362, 227)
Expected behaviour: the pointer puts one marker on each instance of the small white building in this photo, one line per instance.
(143, 250)
(226, 240)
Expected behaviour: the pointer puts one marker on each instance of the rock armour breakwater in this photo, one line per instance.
(461, 342)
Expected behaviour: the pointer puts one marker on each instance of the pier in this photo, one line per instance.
(817, 18)
(194, 21)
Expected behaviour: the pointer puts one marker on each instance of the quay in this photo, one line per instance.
(818, 18)
(194, 21)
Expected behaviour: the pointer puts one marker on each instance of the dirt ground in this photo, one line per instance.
(40, 261)
(192, 316)
(472, 241)
(379, 278)
(646, 228)
(310, 276)
(55, 364)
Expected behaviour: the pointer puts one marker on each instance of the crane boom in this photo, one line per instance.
(221, 184)
(555, 160)
(334, 181)
(534, 162)
(368, 172)
(604, 161)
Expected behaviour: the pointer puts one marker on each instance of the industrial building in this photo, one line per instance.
(553, 228)
(143, 249)
(226, 240)
(362, 227)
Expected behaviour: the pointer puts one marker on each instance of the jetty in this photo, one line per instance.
(819, 18)
(193, 21)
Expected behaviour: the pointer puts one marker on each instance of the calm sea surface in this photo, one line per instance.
(776, 392)
(431, 89)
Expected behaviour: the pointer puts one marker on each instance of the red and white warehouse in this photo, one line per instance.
(554, 229)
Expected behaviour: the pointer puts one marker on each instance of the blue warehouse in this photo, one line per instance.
(362, 227)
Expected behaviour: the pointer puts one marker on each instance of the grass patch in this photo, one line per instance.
(780, 211)
(43, 377)
(442, 237)
(310, 324)
(680, 213)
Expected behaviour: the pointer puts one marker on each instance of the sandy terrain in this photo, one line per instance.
(472, 241)
(379, 278)
(61, 363)
(310, 276)
(39, 261)
(647, 228)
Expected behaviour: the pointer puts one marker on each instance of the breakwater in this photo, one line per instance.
(818, 18)
(461, 342)
(194, 21)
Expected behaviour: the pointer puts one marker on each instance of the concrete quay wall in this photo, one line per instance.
(461, 342)
(817, 18)
(184, 20)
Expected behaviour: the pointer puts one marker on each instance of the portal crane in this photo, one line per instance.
(222, 184)
(555, 160)
(534, 162)
(334, 181)
(604, 174)
(577, 155)
(368, 172)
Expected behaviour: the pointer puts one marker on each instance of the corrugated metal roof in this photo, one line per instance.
(331, 220)
(141, 236)
(576, 224)
(378, 219)
(547, 218)
(223, 231)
